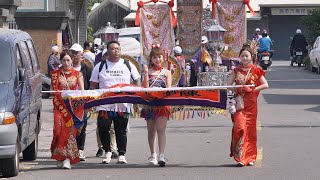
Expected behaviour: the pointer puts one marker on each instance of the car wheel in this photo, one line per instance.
(10, 166)
(312, 68)
(31, 152)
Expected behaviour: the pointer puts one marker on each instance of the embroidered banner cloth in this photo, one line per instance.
(213, 100)
(156, 28)
(189, 14)
(232, 17)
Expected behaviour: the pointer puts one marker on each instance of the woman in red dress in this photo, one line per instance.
(244, 133)
(64, 146)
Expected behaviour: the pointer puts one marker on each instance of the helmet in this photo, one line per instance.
(204, 39)
(298, 31)
(257, 30)
(264, 34)
(177, 50)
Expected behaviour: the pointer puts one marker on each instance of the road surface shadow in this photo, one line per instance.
(314, 109)
(51, 165)
(291, 99)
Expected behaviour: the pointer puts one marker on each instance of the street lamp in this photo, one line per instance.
(109, 33)
(215, 34)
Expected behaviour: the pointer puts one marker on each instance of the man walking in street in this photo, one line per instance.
(113, 143)
(53, 60)
(86, 70)
(114, 70)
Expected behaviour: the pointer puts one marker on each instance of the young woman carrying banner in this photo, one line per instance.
(244, 133)
(156, 117)
(64, 146)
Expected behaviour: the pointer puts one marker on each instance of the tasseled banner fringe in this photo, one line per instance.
(177, 112)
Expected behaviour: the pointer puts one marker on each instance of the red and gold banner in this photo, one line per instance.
(156, 28)
(231, 15)
(189, 13)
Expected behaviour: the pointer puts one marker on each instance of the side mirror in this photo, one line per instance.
(22, 75)
(309, 47)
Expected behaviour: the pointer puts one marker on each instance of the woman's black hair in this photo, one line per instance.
(64, 53)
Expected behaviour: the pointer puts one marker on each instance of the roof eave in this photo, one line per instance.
(291, 5)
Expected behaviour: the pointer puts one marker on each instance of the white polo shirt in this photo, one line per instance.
(117, 73)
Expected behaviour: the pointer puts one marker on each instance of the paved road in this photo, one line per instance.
(288, 140)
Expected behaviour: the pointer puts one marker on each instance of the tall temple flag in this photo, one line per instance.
(231, 15)
(189, 13)
(156, 28)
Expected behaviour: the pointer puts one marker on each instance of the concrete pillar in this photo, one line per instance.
(4, 13)
(10, 5)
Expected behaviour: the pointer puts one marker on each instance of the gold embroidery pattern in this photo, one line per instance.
(238, 149)
(71, 149)
(72, 81)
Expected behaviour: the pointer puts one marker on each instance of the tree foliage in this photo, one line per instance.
(312, 24)
(89, 34)
(91, 3)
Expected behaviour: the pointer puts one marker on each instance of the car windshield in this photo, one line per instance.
(5, 62)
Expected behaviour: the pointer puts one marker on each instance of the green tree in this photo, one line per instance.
(91, 3)
(90, 34)
(312, 24)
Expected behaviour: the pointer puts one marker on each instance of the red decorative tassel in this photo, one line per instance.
(141, 4)
(213, 2)
(247, 2)
(137, 20)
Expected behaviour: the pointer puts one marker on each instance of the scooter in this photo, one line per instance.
(46, 85)
(265, 59)
(297, 58)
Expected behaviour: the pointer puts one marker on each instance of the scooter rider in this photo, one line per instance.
(298, 43)
(264, 44)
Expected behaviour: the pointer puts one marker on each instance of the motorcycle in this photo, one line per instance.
(265, 58)
(46, 86)
(297, 58)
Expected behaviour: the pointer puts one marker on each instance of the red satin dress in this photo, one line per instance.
(244, 132)
(64, 143)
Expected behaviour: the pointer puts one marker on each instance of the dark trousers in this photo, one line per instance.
(81, 138)
(120, 123)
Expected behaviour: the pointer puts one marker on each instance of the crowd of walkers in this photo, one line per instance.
(79, 68)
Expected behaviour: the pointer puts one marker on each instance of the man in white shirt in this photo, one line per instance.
(86, 70)
(112, 71)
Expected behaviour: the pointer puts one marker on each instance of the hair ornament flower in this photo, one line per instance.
(156, 45)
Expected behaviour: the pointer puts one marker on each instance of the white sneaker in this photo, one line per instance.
(59, 164)
(240, 164)
(82, 156)
(161, 160)
(66, 164)
(153, 159)
(122, 160)
(251, 164)
(107, 159)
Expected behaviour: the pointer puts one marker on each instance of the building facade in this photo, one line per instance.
(282, 20)
(52, 22)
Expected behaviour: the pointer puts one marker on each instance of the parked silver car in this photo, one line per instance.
(20, 100)
(315, 56)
